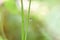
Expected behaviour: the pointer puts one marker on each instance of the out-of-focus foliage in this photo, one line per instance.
(53, 22)
(36, 29)
(10, 5)
(1, 38)
(50, 2)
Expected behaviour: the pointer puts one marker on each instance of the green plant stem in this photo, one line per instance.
(28, 16)
(22, 13)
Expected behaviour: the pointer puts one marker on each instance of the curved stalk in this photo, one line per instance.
(3, 24)
(28, 20)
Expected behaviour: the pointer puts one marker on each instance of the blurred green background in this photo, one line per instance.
(43, 22)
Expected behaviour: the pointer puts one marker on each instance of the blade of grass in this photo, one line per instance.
(22, 13)
(28, 16)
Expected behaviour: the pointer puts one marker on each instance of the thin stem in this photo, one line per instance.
(22, 13)
(28, 19)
